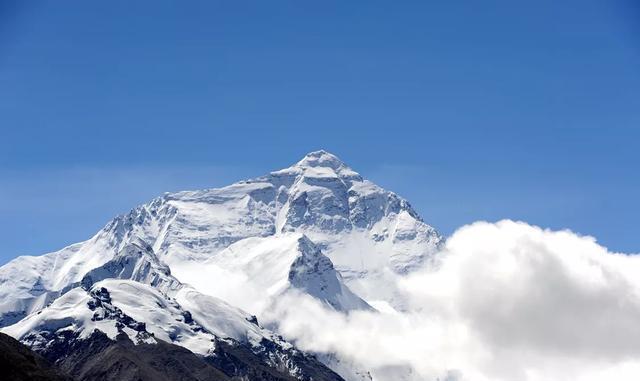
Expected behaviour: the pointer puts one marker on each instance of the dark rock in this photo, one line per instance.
(99, 358)
(19, 363)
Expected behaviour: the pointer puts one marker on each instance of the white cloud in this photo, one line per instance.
(507, 301)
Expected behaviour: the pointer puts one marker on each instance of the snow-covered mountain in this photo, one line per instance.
(316, 228)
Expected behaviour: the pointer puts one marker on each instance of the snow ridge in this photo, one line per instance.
(313, 273)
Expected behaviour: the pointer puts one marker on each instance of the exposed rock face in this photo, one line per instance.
(98, 357)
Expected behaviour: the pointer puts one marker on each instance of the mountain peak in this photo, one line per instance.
(321, 158)
(320, 164)
(136, 261)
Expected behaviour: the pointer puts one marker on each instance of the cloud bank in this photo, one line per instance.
(506, 301)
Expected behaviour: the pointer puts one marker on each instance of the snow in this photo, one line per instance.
(163, 316)
(220, 318)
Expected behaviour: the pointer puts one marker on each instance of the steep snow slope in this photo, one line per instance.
(368, 233)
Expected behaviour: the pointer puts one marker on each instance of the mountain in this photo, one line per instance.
(367, 232)
(175, 270)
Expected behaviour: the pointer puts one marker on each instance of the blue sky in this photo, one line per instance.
(471, 110)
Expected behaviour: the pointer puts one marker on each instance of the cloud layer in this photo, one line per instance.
(506, 301)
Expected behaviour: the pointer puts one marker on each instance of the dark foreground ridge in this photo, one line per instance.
(99, 358)
(19, 363)
(102, 359)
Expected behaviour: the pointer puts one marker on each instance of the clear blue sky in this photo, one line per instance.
(470, 109)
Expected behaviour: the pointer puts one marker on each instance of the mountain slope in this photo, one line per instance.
(19, 363)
